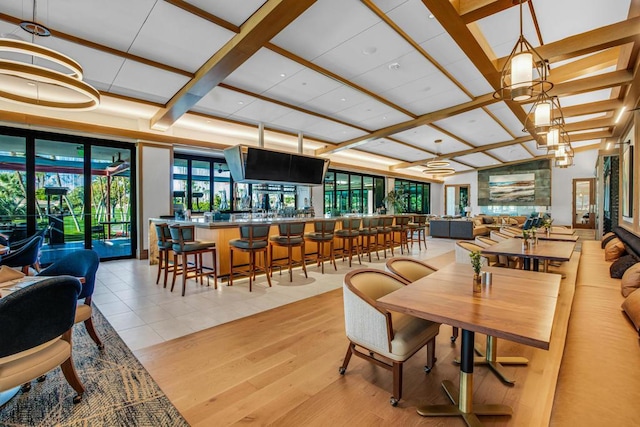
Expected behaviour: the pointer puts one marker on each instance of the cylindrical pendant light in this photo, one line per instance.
(542, 117)
(521, 76)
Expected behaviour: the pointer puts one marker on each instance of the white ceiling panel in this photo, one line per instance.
(366, 110)
(389, 118)
(478, 160)
(337, 100)
(468, 76)
(100, 69)
(389, 148)
(576, 119)
(302, 87)
(578, 144)
(531, 145)
(413, 17)
(575, 17)
(425, 136)
(332, 131)
(429, 104)
(443, 49)
(325, 25)
(113, 23)
(223, 102)
(262, 71)
(142, 81)
(475, 127)
(427, 90)
(400, 71)
(294, 121)
(375, 46)
(584, 98)
(506, 116)
(230, 11)
(511, 153)
(502, 29)
(186, 44)
(260, 111)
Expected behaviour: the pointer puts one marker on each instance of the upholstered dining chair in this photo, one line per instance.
(36, 324)
(410, 270)
(388, 338)
(25, 257)
(81, 263)
(464, 248)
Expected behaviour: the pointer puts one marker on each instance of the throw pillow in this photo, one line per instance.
(607, 238)
(620, 266)
(630, 280)
(631, 306)
(477, 222)
(487, 219)
(513, 221)
(613, 250)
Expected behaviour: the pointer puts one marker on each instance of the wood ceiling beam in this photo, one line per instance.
(474, 10)
(261, 27)
(589, 84)
(421, 120)
(588, 42)
(592, 108)
(589, 124)
(581, 67)
(188, 7)
(631, 101)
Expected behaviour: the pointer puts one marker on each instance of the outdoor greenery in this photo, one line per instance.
(396, 199)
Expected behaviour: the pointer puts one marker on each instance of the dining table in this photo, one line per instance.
(543, 250)
(520, 309)
(554, 237)
(561, 230)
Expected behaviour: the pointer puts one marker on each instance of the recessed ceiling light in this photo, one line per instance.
(240, 102)
(343, 99)
(283, 75)
(394, 66)
(370, 50)
(431, 16)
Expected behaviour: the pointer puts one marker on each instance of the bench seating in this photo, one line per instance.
(599, 377)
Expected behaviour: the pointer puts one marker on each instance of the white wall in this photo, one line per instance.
(437, 199)
(470, 178)
(317, 199)
(154, 197)
(584, 166)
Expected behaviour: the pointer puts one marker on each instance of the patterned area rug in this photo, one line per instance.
(119, 391)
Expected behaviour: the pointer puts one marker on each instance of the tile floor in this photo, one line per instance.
(145, 314)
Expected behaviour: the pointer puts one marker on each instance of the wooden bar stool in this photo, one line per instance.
(349, 235)
(184, 245)
(385, 231)
(418, 231)
(165, 244)
(369, 236)
(253, 239)
(290, 236)
(323, 232)
(401, 227)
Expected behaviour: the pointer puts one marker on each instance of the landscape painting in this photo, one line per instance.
(515, 188)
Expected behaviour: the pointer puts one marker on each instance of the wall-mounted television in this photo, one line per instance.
(250, 164)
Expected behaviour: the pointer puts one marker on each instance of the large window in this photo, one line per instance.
(352, 193)
(418, 195)
(75, 190)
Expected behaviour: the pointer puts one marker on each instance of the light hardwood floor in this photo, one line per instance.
(280, 367)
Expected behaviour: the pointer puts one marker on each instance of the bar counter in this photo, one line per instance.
(221, 232)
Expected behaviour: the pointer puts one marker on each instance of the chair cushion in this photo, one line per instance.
(83, 312)
(606, 238)
(410, 333)
(631, 306)
(367, 232)
(319, 237)
(193, 247)
(630, 280)
(29, 364)
(244, 244)
(282, 240)
(347, 233)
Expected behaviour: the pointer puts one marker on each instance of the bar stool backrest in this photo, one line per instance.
(291, 229)
(420, 219)
(254, 232)
(164, 235)
(386, 221)
(181, 234)
(324, 227)
(369, 223)
(351, 223)
(402, 220)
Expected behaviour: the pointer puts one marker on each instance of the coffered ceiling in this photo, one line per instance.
(385, 77)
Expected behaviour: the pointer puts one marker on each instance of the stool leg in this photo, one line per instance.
(265, 268)
(230, 283)
(290, 261)
(304, 267)
(332, 255)
(185, 266)
(214, 256)
(320, 256)
(166, 267)
(175, 270)
(252, 265)
(160, 258)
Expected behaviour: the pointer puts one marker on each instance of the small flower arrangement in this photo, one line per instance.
(526, 234)
(547, 223)
(476, 261)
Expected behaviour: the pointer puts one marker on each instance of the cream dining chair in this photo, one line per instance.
(388, 338)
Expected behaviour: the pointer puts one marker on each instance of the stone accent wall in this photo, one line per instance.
(542, 171)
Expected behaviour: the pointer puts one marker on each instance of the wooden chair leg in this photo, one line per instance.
(175, 270)
(347, 358)
(431, 355)
(230, 282)
(185, 267)
(69, 371)
(397, 382)
(160, 267)
(265, 269)
(92, 333)
(304, 266)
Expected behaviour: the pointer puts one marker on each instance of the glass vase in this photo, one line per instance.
(477, 283)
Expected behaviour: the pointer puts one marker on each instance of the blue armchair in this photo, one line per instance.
(36, 324)
(81, 263)
(25, 257)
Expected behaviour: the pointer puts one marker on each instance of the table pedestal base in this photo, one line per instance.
(494, 362)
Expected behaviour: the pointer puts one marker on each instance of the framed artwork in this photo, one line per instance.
(627, 181)
(515, 188)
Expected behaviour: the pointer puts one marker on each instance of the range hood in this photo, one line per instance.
(258, 165)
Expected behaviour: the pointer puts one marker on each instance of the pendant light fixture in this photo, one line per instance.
(525, 73)
(43, 77)
(437, 167)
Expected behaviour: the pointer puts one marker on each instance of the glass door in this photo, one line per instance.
(13, 184)
(584, 203)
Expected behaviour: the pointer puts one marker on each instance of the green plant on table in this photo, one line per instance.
(476, 261)
(526, 234)
(547, 223)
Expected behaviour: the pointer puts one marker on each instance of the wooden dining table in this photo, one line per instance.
(545, 250)
(554, 237)
(565, 231)
(518, 309)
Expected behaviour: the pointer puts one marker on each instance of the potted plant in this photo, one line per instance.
(547, 225)
(396, 200)
(476, 263)
(525, 239)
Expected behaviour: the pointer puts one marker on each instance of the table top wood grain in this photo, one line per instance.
(518, 306)
(544, 249)
(560, 230)
(554, 236)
